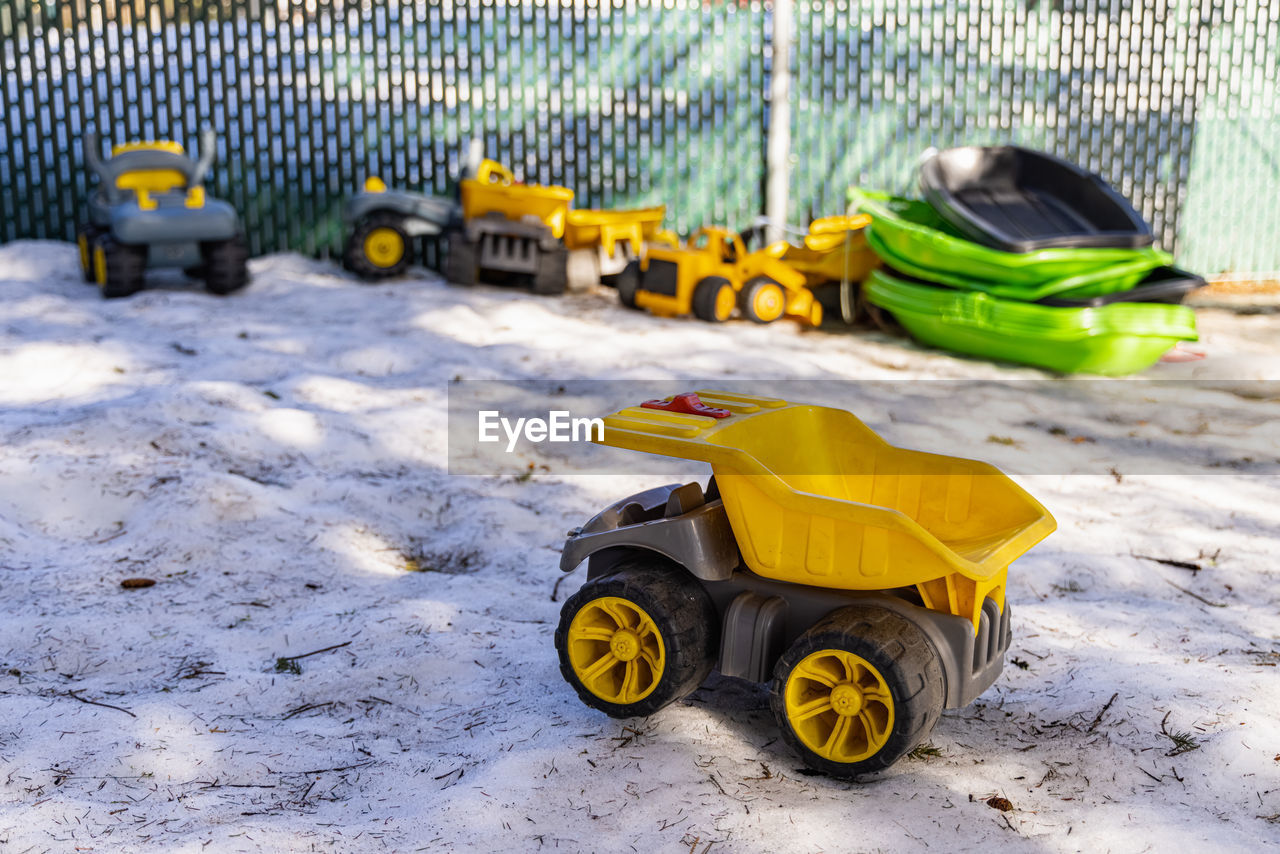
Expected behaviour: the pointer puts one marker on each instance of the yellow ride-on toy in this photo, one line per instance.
(834, 249)
(865, 581)
(529, 230)
(835, 259)
(713, 274)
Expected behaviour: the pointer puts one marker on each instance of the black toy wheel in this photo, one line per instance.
(86, 238)
(842, 301)
(460, 265)
(378, 248)
(857, 691)
(628, 284)
(637, 640)
(627, 253)
(763, 300)
(552, 276)
(225, 265)
(713, 299)
(118, 268)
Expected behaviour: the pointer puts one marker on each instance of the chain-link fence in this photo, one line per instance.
(642, 101)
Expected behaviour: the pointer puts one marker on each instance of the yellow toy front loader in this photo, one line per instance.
(712, 275)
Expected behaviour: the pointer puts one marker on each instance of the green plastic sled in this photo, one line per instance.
(1115, 339)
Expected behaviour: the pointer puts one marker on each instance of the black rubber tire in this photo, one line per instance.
(460, 265)
(905, 658)
(126, 267)
(747, 298)
(197, 272)
(86, 237)
(832, 296)
(552, 276)
(353, 254)
(226, 265)
(628, 284)
(704, 298)
(611, 281)
(684, 616)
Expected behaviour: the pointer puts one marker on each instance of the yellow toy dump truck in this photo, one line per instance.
(529, 230)
(712, 275)
(865, 581)
(602, 242)
(498, 229)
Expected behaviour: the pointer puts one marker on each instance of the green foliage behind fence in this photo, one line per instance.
(1174, 101)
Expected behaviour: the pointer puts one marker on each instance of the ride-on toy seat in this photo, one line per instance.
(150, 210)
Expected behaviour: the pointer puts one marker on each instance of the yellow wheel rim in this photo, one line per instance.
(839, 706)
(384, 247)
(767, 303)
(99, 265)
(726, 298)
(82, 240)
(615, 650)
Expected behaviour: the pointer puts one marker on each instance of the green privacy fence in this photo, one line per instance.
(1175, 102)
(629, 103)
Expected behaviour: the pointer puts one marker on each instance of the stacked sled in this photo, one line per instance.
(1020, 256)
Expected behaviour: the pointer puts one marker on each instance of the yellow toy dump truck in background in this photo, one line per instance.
(602, 242)
(713, 274)
(865, 581)
(529, 230)
(497, 230)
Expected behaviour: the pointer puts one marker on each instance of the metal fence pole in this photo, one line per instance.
(778, 142)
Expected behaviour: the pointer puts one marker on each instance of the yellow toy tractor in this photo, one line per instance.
(713, 274)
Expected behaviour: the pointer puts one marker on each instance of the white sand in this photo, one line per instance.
(271, 458)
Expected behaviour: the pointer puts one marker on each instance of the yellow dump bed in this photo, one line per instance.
(815, 497)
(588, 227)
(495, 190)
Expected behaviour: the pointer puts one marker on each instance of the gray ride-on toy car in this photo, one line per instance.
(150, 210)
(382, 224)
